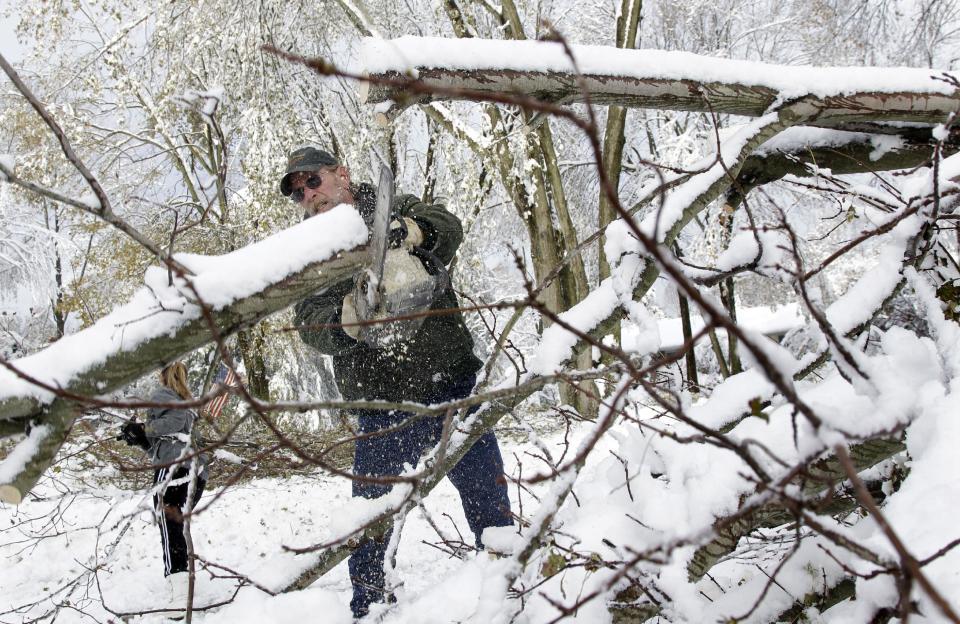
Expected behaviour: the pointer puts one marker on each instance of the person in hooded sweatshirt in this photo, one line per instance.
(167, 437)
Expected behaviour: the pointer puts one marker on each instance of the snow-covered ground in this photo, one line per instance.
(245, 530)
(638, 492)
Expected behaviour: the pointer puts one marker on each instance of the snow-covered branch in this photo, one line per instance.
(655, 79)
(164, 321)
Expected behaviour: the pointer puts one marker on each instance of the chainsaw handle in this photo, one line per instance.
(435, 267)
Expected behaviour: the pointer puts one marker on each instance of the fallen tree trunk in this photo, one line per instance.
(651, 79)
(51, 418)
(820, 476)
(850, 152)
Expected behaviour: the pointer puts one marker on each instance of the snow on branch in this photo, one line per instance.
(681, 197)
(655, 79)
(165, 320)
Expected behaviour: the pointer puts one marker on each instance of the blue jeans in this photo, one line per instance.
(478, 477)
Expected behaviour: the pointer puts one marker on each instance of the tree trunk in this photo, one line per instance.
(693, 380)
(572, 280)
(614, 136)
(250, 343)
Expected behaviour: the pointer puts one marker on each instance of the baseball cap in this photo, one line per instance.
(305, 159)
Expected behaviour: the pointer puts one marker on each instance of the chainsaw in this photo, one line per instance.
(401, 283)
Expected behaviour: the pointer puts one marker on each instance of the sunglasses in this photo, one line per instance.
(312, 182)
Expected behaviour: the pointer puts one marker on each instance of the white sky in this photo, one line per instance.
(9, 46)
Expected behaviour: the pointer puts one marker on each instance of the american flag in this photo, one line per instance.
(228, 379)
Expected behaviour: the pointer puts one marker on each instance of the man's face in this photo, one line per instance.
(319, 191)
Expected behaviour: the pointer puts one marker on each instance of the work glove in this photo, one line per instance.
(134, 434)
(348, 314)
(404, 232)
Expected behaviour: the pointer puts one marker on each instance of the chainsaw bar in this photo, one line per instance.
(379, 237)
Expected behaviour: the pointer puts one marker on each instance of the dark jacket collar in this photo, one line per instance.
(365, 200)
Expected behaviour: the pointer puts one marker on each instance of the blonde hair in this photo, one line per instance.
(174, 376)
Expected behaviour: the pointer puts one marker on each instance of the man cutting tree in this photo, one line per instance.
(426, 360)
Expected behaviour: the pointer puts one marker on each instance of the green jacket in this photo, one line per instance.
(441, 352)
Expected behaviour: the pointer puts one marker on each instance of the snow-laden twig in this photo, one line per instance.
(102, 208)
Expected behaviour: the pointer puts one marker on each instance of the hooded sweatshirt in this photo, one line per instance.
(169, 430)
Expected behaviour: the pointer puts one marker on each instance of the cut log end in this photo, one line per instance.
(10, 494)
